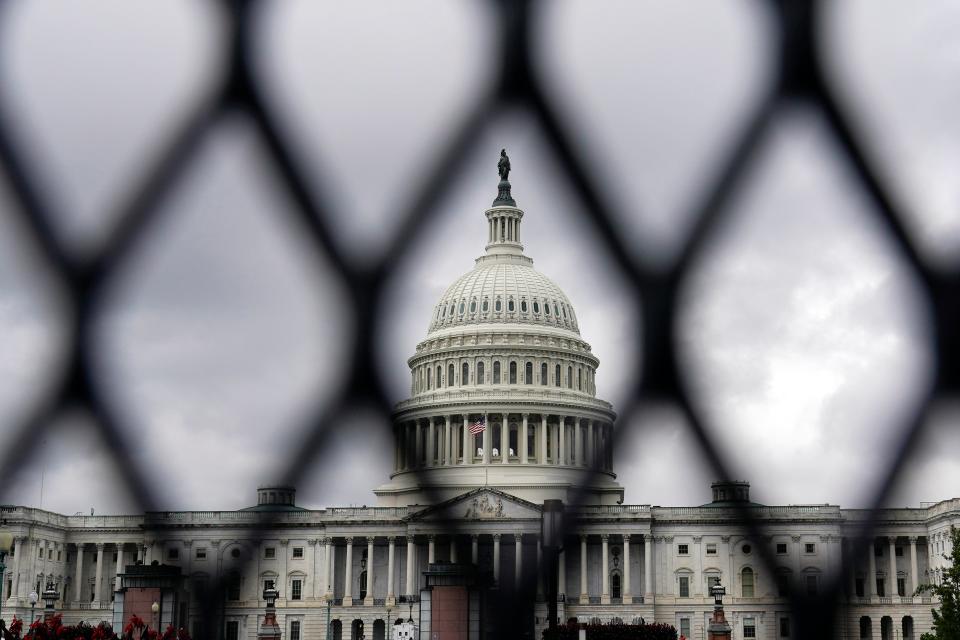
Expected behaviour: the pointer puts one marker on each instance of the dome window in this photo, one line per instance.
(486, 305)
(546, 308)
(510, 306)
(473, 306)
(536, 307)
(523, 306)
(439, 311)
(498, 305)
(556, 311)
(564, 307)
(461, 308)
(451, 309)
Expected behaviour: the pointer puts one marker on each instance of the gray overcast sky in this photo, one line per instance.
(803, 336)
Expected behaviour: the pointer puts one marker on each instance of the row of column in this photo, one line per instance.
(892, 583)
(430, 442)
(503, 229)
(36, 553)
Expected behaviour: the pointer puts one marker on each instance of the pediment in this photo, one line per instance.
(481, 504)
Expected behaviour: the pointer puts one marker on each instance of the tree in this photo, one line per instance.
(946, 621)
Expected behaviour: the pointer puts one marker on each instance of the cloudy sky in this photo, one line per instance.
(804, 339)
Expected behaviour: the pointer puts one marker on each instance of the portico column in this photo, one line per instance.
(913, 565)
(517, 560)
(329, 569)
(411, 570)
(590, 458)
(78, 584)
(496, 558)
(522, 440)
(576, 451)
(116, 580)
(348, 575)
(562, 448)
(391, 552)
(893, 566)
(467, 441)
(648, 568)
(584, 595)
(431, 444)
(431, 549)
(487, 438)
(605, 569)
(448, 449)
(625, 590)
(368, 600)
(99, 581)
(474, 548)
(17, 554)
(872, 570)
(505, 439)
(543, 439)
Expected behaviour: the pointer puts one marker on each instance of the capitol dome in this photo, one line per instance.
(502, 388)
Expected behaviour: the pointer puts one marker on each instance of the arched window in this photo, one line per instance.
(465, 374)
(513, 373)
(429, 380)
(451, 309)
(486, 305)
(461, 307)
(480, 372)
(536, 307)
(496, 372)
(907, 623)
(510, 306)
(439, 376)
(451, 375)
(543, 373)
(523, 306)
(746, 582)
(498, 306)
(615, 585)
(528, 373)
(337, 628)
(866, 627)
(556, 376)
(473, 306)
(579, 379)
(569, 377)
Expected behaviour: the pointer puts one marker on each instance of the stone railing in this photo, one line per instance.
(504, 394)
(792, 512)
(612, 509)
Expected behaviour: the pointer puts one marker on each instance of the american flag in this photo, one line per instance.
(478, 427)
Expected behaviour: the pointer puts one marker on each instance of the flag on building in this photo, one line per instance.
(478, 427)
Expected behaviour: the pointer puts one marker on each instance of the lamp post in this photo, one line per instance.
(50, 596)
(5, 541)
(33, 602)
(270, 630)
(155, 609)
(551, 535)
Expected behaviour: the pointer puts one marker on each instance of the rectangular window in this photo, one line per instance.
(298, 552)
(712, 581)
(173, 554)
(268, 584)
(783, 585)
(40, 553)
(898, 551)
(878, 550)
(233, 590)
(294, 630)
(784, 627)
(859, 587)
(233, 630)
(114, 556)
(683, 549)
(749, 628)
(782, 548)
(296, 590)
(880, 591)
(201, 553)
(711, 548)
(810, 547)
(811, 585)
(901, 587)
(684, 587)
(685, 627)
(49, 554)
(270, 553)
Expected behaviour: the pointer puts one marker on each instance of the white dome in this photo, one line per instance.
(504, 290)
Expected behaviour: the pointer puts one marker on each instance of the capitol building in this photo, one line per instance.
(502, 415)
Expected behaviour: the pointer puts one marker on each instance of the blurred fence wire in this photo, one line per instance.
(518, 85)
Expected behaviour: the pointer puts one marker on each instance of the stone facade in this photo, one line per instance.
(503, 415)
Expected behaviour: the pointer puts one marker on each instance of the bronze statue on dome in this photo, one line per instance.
(503, 166)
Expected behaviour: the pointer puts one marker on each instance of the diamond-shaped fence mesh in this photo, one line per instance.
(517, 85)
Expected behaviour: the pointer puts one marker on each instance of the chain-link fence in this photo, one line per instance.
(517, 85)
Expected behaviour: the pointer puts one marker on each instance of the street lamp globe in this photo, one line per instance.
(155, 607)
(33, 598)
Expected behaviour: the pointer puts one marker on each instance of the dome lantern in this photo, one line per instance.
(503, 217)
